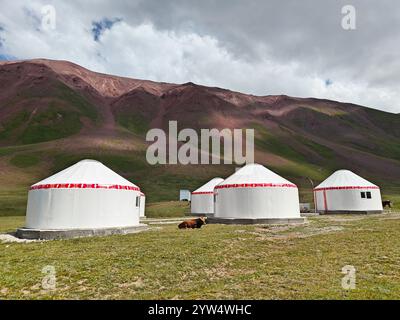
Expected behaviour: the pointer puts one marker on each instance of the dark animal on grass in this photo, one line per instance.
(193, 224)
(386, 203)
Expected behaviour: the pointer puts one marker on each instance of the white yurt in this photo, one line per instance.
(184, 195)
(255, 194)
(87, 195)
(344, 191)
(142, 205)
(203, 198)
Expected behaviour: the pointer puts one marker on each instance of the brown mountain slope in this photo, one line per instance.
(55, 112)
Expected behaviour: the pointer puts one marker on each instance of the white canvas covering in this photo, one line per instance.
(86, 195)
(203, 198)
(142, 204)
(255, 192)
(344, 191)
(184, 195)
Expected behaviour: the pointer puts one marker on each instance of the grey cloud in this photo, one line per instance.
(308, 32)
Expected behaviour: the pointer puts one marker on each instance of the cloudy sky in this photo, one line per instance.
(263, 47)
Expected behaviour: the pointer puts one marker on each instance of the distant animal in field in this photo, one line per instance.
(386, 203)
(193, 224)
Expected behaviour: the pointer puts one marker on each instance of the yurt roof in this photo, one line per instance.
(86, 174)
(345, 179)
(255, 175)
(208, 187)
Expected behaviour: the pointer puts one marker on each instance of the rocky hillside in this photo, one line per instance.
(53, 113)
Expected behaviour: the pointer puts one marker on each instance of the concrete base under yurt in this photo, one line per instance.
(351, 212)
(26, 233)
(214, 220)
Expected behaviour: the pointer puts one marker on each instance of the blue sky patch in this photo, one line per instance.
(6, 57)
(328, 82)
(98, 27)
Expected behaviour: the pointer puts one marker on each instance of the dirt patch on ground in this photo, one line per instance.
(317, 231)
(336, 219)
(9, 238)
(138, 283)
(275, 228)
(391, 216)
(280, 233)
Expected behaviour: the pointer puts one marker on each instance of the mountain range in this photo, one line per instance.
(54, 113)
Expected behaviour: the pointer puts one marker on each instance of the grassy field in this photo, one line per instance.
(167, 209)
(215, 262)
(13, 202)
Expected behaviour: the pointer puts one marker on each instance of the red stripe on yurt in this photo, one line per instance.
(346, 188)
(256, 185)
(203, 192)
(315, 201)
(83, 186)
(325, 202)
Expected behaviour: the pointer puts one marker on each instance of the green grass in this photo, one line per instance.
(387, 121)
(8, 126)
(168, 209)
(266, 141)
(50, 124)
(301, 166)
(215, 262)
(9, 150)
(64, 93)
(13, 202)
(302, 120)
(24, 160)
(60, 119)
(133, 122)
(59, 91)
(10, 223)
(348, 120)
(323, 151)
(383, 147)
(343, 127)
(6, 151)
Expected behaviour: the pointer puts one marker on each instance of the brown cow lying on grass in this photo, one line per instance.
(192, 224)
